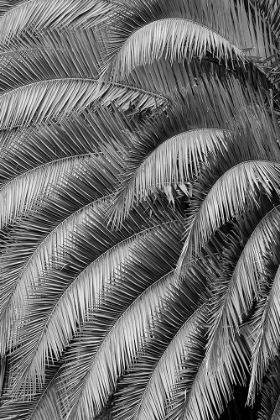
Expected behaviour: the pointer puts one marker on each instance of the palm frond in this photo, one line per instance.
(59, 217)
(33, 16)
(75, 294)
(24, 149)
(157, 39)
(45, 100)
(203, 389)
(147, 387)
(173, 163)
(146, 32)
(57, 55)
(145, 170)
(121, 326)
(40, 252)
(238, 297)
(265, 325)
(44, 405)
(235, 189)
(270, 396)
(21, 193)
(75, 55)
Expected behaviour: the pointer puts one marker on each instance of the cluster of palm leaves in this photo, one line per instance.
(139, 209)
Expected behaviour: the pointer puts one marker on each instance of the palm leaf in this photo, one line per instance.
(32, 15)
(265, 327)
(148, 384)
(21, 193)
(270, 398)
(157, 39)
(74, 295)
(203, 389)
(57, 55)
(121, 326)
(75, 55)
(238, 297)
(45, 100)
(173, 163)
(41, 253)
(154, 162)
(30, 251)
(146, 32)
(45, 404)
(238, 186)
(24, 149)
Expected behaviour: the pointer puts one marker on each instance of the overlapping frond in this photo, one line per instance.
(231, 193)
(185, 29)
(29, 251)
(175, 39)
(116, 118)
(147, 387)
(33, 16)
(121, 325)
(45, 404)
(237, 297)
(26, 148)
(77, 292)
(56, 55)
(265, 323)
(204, 389)
(270, 400)
(21, 193)
(222, 123)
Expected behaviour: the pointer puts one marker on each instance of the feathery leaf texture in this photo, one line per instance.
(139, 209)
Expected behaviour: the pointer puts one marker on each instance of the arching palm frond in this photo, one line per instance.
(42, 101)
(75, 55)
(32, 16)
(46, 403)
(139, 215)
(47, 155)
(157, 39)
(183, 30)
(77, 292)
(137, 297)
(203, 389)
(228, 197)
(87, 133)
(21, 193)
(265, 325)
(56, 55)
(237, 297)
(270, 401)
(147, 387)
(186, 135)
